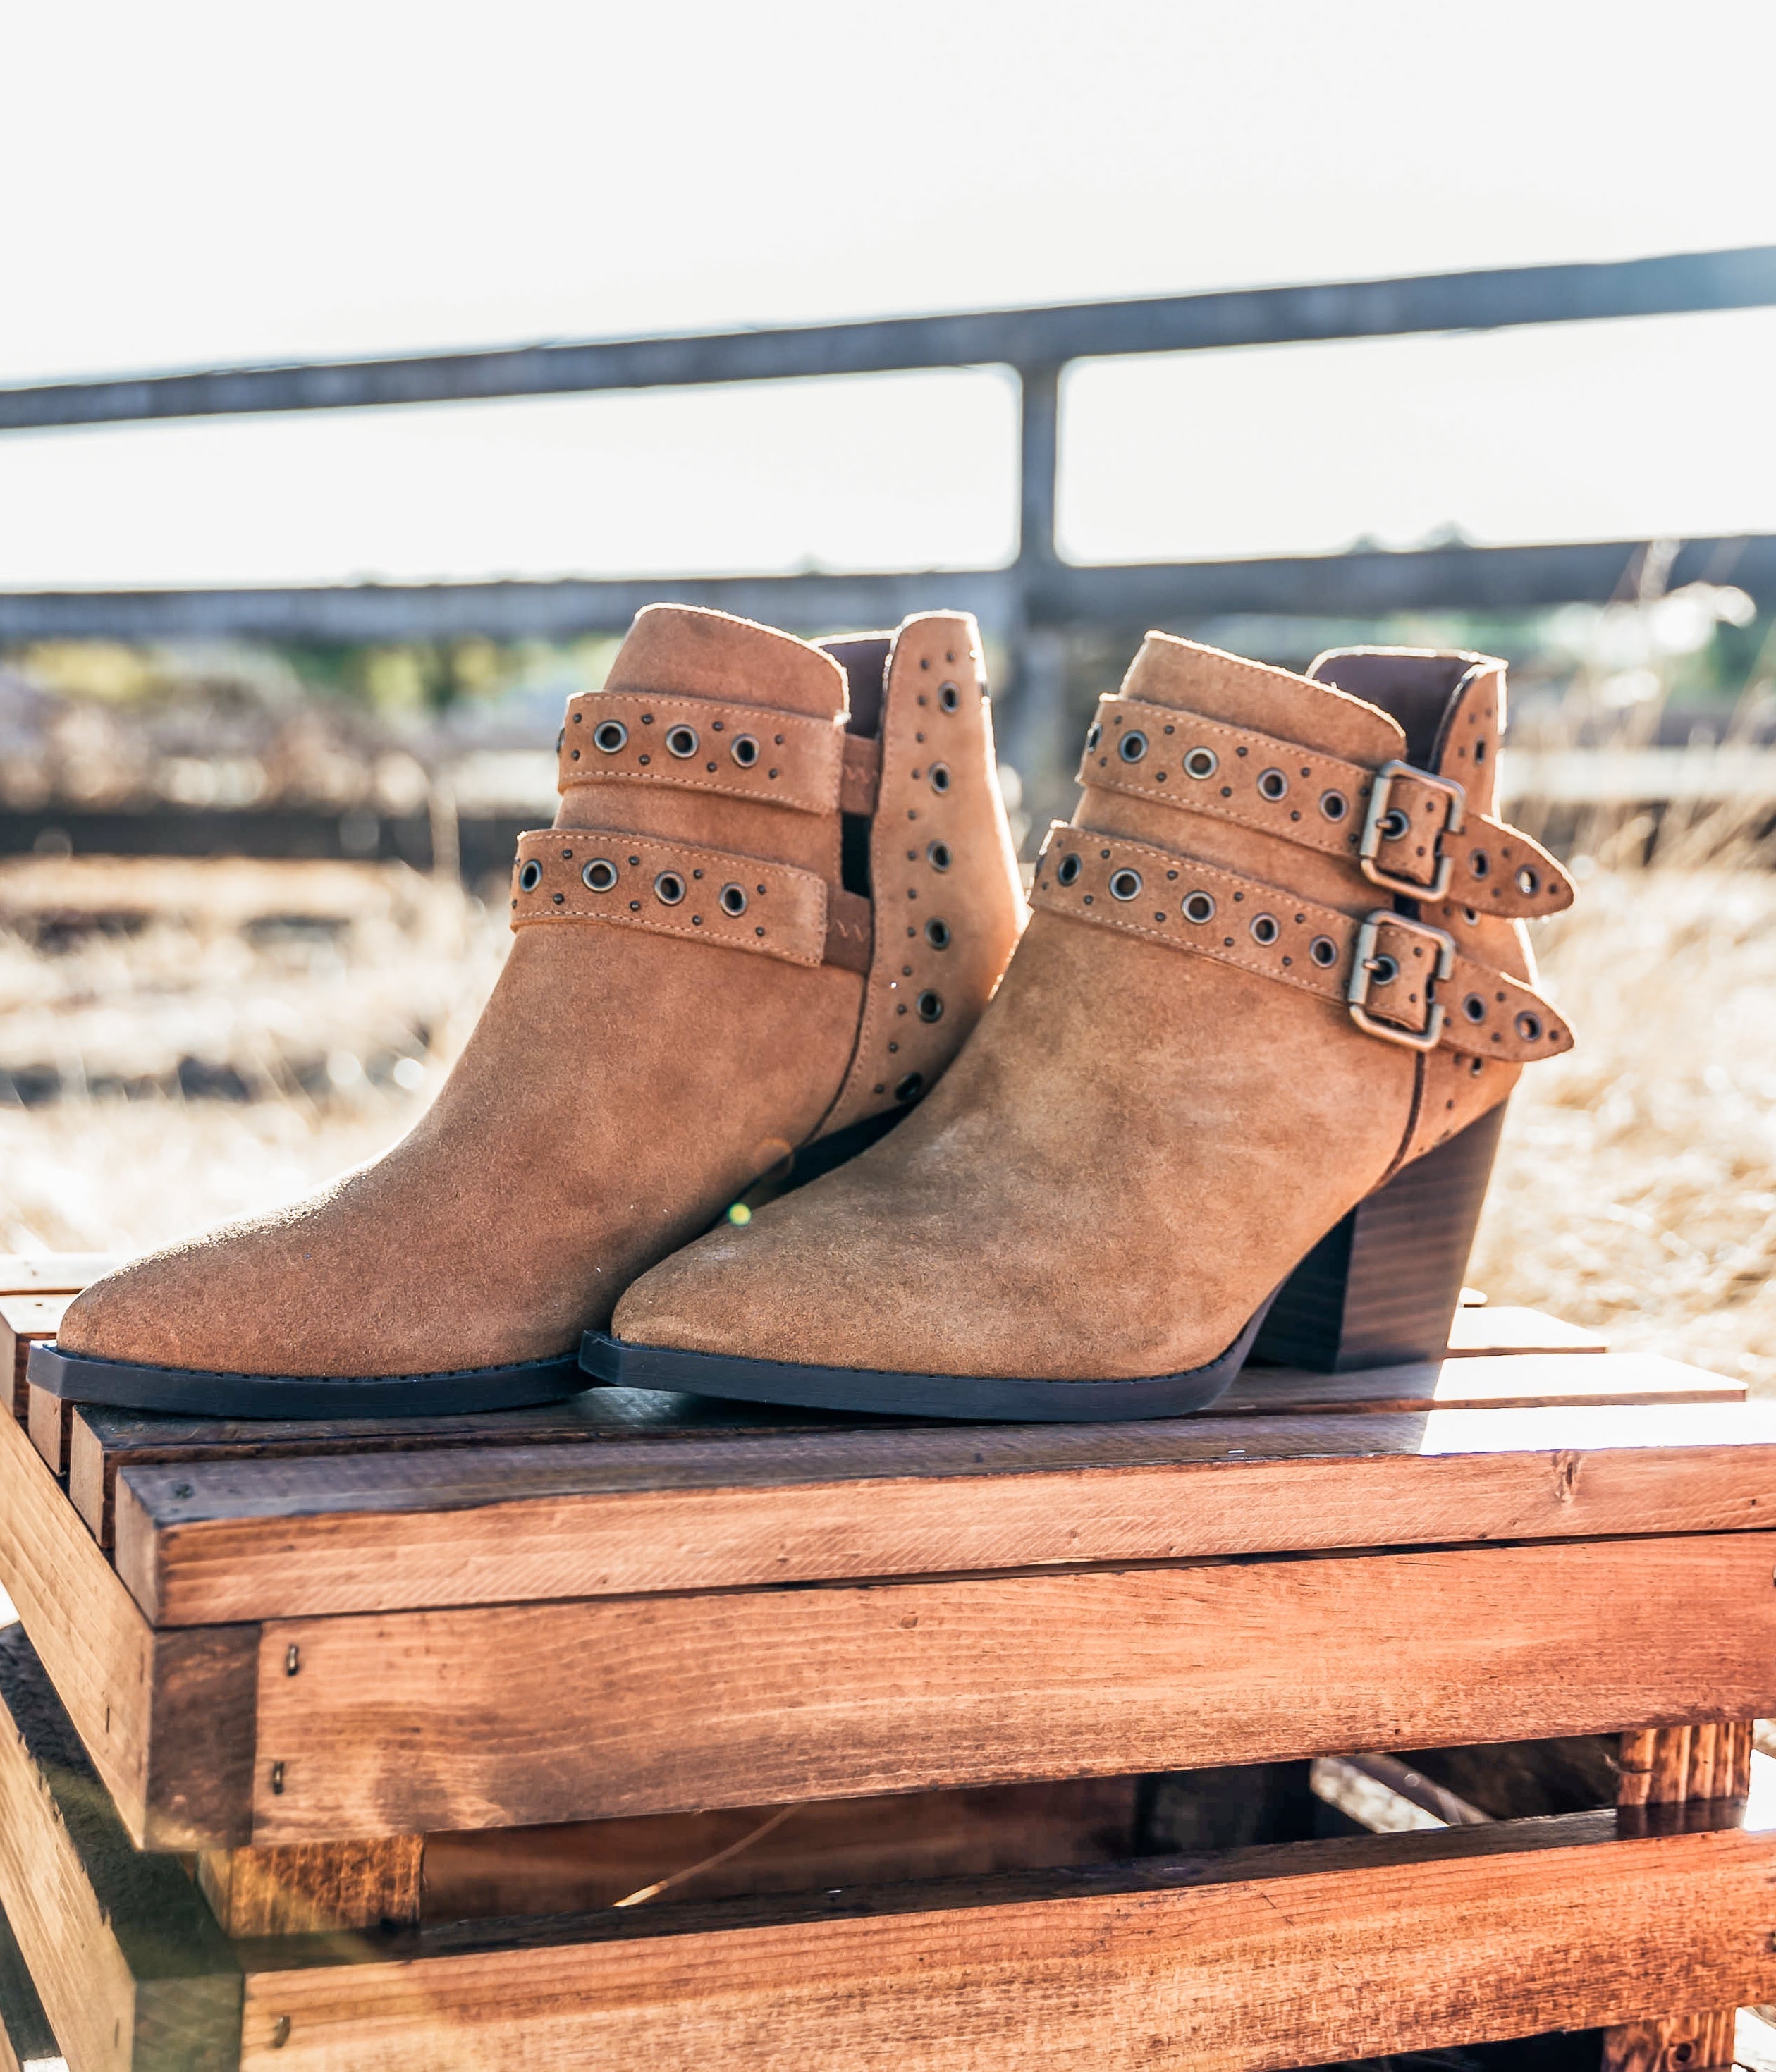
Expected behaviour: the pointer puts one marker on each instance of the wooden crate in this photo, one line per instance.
(334, 1746)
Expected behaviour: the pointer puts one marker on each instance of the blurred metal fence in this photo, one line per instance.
(1025, 606)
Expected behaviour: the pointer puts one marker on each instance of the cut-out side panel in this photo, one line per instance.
(514, 1714)
(1368, 1946)
(221, 1542)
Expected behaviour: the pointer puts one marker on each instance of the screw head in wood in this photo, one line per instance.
(292, 1659)
(277, 1780)
(280, 2032)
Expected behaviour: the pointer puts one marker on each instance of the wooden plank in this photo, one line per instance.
(1701, 1760)
(314, 1888)
(104, 1441)
(577, 1867)
(1367, 1946)
(26, 1321)
(168, 1720)
(135, 1974)
(26, 2036)
(218, 1543)
(1493, 1327)
(50, 1422)
(517, 1714)
(54, 1273)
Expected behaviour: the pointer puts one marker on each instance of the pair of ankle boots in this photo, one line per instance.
(1235, 1084)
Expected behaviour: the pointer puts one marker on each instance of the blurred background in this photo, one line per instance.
(282, 656)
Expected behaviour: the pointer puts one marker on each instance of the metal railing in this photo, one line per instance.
(1039, 589)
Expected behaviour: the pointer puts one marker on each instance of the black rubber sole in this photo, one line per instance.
(192, 1393)
(970, 1397)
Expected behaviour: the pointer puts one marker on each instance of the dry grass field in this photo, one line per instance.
(183, 1042)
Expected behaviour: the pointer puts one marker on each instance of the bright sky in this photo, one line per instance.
(191, 185)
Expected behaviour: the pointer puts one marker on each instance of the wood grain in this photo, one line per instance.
(104, 1440)
(513, 1714)
(1705, 1761)
(1361, 1946)
(53, 1273)
(50, 1422)
(220, 1542)
(167, 1719)
(314, 1888)
(25, 1321)
(1497, 1327)
(575, 1867)
(134, 1974)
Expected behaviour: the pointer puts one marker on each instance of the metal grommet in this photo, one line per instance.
(744, 750)
(1529, 1027)
(940, 777)
(1094, 734)
(599, 875)
(1394, 826)
(930, 1006)
(1199, 906)
(1529, 881)
(610, 735)
(937, 855)
(1264, 930)
(937, 933)
(1125, 885)
(530, 876)
(1201, 762)
(1273, 785)
(911, 1087)
(1334, 805)
(681, 741)
(1323, 952)
(1067, 871)
(668, 888)
(733, 900)
(1132, 746)
(1479, 864)
(1382, 970)
(948, 697)
(1475, 1008)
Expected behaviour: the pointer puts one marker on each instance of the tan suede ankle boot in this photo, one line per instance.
(1246, 1061)
(698, 985)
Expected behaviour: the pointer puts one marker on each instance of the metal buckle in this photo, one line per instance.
(1366, 963)
(1373, 833)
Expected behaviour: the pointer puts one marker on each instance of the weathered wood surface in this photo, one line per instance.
(167, 1719)
(102, 1441)
(1703, 1760)
(134, 1973)
(577, 1867)
(316, 1888)
(52, 1274)
(1375, 1944)
(24, 1319)
(1501, 1327)
(220, 1542)
(513, 1714)
(25, 2032)
(50, 1421)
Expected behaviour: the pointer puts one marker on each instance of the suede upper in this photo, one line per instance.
(1138, 1143)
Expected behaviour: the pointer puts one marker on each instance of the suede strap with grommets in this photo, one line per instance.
(1400, 979)
(1424, 841)
(671, 888)
(739, 751)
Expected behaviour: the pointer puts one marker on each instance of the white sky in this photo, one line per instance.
(191, 185)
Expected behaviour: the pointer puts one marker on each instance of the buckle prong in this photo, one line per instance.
(1374, 833)
(1365, 963)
